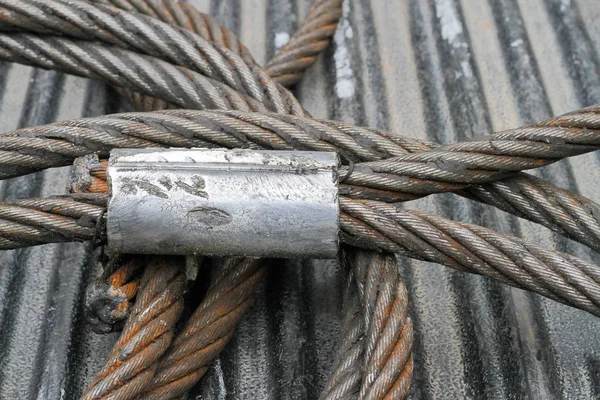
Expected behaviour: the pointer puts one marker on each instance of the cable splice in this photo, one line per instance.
(561, 225)
(58, 144)
(146, 336)
(419, 235)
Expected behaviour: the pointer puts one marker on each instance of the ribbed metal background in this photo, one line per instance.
(443, 70)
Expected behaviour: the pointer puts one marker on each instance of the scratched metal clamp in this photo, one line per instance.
(223, 202)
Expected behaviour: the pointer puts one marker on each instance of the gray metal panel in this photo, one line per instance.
(443, 70)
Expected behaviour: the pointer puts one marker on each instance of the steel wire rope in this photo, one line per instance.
(146, 103)
(148, 36)
(109, 299)
(148, 332)
(374, 359)
(287, 65)
(161, 396)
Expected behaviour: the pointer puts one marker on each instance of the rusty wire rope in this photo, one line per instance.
(510, 197)
(530, 203)
(136, 378)
(374, 359)
(208, 330)
(147, 334)
(312, 37)
(109, 299)
(472, 248)
(30, 149)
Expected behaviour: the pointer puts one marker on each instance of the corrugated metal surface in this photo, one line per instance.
(443, 70)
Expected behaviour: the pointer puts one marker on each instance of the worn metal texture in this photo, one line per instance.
(251, 203)
(441, 70)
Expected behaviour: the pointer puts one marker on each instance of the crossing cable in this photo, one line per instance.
(508, 197)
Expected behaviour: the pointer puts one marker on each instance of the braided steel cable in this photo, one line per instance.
(443, 168)
(109, 299)
(187, 16)
(311, 38)
(374, 360)
(346, 375)
(387, 361)
(208, 329)
(423, 186)
(288, 64)
(146, 336)
(472, 248)
(148, 75)
(58, 144)
(29, 222)
(149, 36)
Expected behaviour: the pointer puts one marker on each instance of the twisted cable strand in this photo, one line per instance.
(50, 220)
(475, 249)
(311, 38)
(374, 359)
(288, 64)
(346, 375)
(414, 234)
(375, 191)
(389, 333)
(184, 15)
(126, 69)
(208, 330)
(146, 335)
(574, 227)
(60, 143)
(149, 36)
